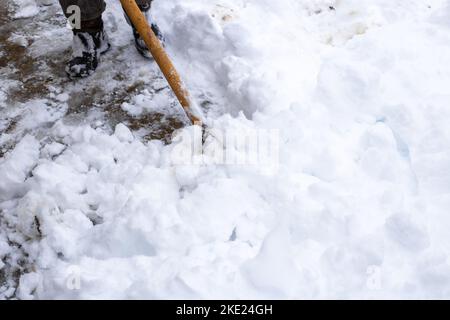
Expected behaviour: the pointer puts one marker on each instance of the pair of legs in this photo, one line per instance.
(90, 40)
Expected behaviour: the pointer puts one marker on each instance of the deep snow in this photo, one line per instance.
(356, 93)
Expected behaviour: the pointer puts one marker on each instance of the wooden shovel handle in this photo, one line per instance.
(159, 54)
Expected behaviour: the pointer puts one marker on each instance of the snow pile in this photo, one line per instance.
(358, 91)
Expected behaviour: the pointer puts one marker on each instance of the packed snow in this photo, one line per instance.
(352, 202)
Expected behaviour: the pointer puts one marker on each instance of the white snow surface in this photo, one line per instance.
(27, 9)
(357, 208)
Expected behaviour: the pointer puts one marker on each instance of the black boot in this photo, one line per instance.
(88, 44)
(141, 47)
(138, 41)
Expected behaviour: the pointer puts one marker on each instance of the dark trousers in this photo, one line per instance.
(92, 9)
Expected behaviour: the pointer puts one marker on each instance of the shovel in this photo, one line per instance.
(162, 59)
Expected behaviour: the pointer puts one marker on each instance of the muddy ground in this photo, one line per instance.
(34, 77)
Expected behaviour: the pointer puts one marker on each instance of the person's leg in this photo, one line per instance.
(89, 40)
(89, 9)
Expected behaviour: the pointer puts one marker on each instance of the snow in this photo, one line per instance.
(26, 9)
(352, 202)
(15, 167)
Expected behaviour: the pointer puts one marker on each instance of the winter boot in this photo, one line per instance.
(88, 44)
(141, 47)
(138, 41)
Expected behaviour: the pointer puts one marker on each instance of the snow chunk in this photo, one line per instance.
(4, 249)
(17, 165)
(123, 133)
(62, 97)
(27, 9)
(28, 285)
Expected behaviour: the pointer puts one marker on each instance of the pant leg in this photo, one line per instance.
(90, 9)
(144, 4)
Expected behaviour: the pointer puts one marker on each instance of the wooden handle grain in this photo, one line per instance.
(162, 59)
